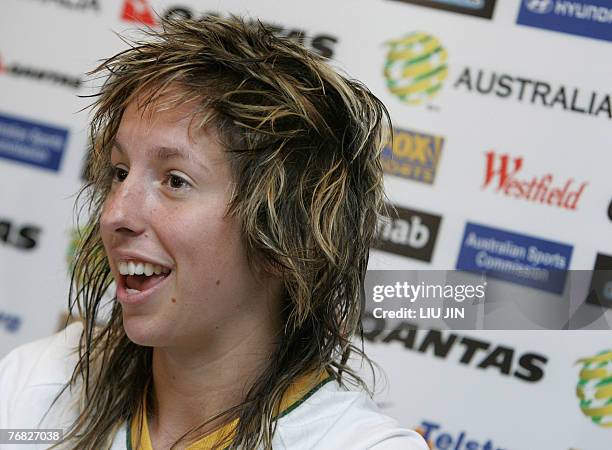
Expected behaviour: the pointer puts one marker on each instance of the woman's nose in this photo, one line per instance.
(124, 210)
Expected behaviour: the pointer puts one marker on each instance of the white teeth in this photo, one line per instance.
(148, 269)
(123, 268)
(140, 268)
(132, 291)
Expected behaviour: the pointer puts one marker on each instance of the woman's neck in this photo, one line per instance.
(191, 386)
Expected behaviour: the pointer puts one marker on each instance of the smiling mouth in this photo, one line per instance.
(141, 276)
(138, 283)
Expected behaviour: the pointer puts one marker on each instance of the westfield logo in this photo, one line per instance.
(504, 174)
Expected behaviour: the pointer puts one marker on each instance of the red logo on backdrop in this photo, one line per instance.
(502, 171)
(138, 11)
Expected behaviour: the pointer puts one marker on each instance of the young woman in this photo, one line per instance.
(235, 186)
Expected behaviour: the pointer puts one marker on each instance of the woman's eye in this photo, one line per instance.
(119, 174)
(177, 182)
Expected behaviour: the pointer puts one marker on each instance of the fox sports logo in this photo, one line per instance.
(539, 6)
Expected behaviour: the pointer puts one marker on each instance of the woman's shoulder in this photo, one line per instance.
(33, 374)
(336, 417)
(47, 360)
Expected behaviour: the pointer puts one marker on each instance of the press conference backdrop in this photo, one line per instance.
(503, 124)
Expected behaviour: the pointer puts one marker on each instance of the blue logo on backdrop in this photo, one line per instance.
(33, 143)
(478, 8)
(591, 18)
(473, 4)
(513, 257)
(9, 322)
(539, 6)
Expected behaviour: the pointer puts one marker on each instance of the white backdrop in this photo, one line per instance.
(459, 402)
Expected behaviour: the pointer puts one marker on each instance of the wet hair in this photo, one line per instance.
(304, 143)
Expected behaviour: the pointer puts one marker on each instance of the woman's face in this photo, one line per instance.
(166, 215)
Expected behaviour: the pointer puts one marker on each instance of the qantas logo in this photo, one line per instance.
(38, 74)
(75, 4)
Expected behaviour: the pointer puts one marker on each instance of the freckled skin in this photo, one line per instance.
(173, 300)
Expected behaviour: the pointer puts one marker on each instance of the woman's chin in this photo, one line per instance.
(143, 332)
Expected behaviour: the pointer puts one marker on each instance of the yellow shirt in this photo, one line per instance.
(297, 392)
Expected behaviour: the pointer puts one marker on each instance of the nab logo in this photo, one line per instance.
(138, 11)
(539, 6)
(410, 233)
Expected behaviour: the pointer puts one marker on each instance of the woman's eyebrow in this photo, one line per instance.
(164, 153)
(117, 146)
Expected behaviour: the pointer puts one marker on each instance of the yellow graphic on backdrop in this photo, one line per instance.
(595, 388)
(415, 67)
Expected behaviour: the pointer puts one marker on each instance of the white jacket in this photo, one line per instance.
(332, 418)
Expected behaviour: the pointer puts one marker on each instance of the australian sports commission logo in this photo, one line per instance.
(594, 389)
(591, 18)
(412, 155)
(415, 67)
(513, 257)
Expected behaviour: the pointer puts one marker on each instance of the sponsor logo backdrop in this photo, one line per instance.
(500, 154)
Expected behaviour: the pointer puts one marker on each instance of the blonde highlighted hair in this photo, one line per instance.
(304, 144)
